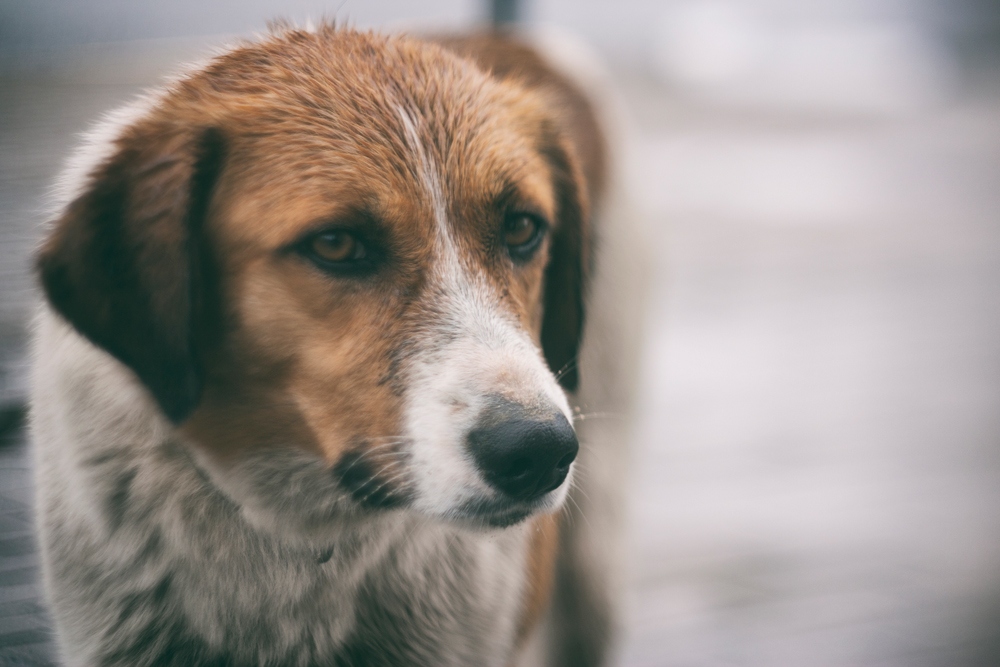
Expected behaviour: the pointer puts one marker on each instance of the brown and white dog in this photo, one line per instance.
(304, 388)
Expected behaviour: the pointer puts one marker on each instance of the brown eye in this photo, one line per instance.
(522, 235)
(520, 230)
(337, 246)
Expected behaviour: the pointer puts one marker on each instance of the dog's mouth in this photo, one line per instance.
(496, 513)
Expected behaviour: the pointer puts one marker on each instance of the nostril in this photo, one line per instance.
(519, 467)
(566, 461)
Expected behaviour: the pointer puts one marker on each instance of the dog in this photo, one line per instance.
(324, 318)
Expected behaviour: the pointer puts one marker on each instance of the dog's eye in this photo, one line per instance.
(338, 251)
(337, 246)
(523, 233)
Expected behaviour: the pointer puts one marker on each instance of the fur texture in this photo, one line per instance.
(248, 454)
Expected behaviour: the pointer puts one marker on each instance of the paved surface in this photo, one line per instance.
(817, 470)
(24, 628)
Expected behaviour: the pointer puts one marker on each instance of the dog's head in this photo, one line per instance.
(350, 269)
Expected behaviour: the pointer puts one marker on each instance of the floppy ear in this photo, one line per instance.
(126, 264)
(569, 264)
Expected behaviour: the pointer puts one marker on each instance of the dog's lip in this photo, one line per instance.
(497, 513)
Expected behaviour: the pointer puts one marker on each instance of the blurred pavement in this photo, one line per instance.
(818, 472)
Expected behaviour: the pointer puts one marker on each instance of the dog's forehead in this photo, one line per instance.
(339, 121)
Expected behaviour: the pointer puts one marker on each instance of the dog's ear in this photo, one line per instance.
(127, 264)
(569, 264)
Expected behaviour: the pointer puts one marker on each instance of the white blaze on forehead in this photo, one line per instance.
(472, 301)
(473, 308)
(430, 177)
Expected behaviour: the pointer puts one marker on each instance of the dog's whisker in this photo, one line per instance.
(386, 467)
(370, 457)
(383, 445)
(567, 367)
(386, 482)
(583, 416)
(379, 444)
(579, 511)
(583, 493)
(367, 451)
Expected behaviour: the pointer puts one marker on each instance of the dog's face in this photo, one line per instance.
(349, 268)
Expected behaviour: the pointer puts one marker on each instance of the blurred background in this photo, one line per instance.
(817, 465)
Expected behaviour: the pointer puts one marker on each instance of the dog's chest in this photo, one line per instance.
(206, 592)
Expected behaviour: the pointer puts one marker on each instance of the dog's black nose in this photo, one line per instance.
(524, 457)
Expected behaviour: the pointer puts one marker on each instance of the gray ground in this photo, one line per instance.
(817, 474)
(816, 478)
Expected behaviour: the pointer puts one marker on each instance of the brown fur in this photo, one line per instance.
(540, 573)
(505, 57)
